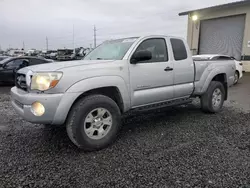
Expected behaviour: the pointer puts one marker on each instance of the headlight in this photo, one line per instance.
(44, 81)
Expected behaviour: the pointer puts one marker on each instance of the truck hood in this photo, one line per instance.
(57, 66)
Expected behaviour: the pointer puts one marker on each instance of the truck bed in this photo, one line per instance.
(204, 68)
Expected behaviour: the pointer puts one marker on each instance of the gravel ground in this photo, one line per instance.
(178, 147)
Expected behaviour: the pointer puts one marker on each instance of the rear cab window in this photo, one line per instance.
(179, 49)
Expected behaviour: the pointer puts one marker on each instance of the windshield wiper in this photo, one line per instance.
(99, 58)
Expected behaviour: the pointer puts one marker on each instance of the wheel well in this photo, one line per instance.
(223, 79)
(111, 92)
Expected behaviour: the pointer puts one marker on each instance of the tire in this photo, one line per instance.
(236, 77)
(78, 124)
(207, 103)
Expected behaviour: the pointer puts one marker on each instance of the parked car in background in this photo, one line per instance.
(79, 53)
(16, 52)
(53, 55)
(132, 74)
(214, 57)
(65, 54)
(48, 54)
(9, 66)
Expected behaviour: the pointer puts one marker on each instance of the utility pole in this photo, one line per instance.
(47, 44)
(73, 36)
(94, 36)
(23, 46)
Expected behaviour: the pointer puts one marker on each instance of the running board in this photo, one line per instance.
(175, 102)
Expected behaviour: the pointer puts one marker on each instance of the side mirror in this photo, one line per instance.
(142, 55)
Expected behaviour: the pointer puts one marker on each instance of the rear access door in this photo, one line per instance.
(183, 66)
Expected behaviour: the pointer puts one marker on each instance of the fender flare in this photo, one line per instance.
(88, 84)
(211, 75)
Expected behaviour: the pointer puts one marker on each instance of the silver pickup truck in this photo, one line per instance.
(138, 73)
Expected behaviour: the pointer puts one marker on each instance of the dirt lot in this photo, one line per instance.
(179, 147)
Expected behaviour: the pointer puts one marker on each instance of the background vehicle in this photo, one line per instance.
(65, 54)
(16, 52)
(9, 66)
(33, 52)
(122, 75)
(79, 53)
(53, 55)
(47, 54)
(239, 69)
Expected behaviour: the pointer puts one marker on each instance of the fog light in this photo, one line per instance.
(37, 109)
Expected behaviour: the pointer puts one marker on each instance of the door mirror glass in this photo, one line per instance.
(142, 55)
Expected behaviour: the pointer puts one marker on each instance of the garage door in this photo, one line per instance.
(222, 36)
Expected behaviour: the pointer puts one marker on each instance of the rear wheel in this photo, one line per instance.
(93, 122)
(212, 101)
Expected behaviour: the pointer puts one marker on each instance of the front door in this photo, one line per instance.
(151, 81)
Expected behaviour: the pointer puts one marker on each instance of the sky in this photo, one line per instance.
(70, 23)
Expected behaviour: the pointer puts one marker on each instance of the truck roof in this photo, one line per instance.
(147, 36)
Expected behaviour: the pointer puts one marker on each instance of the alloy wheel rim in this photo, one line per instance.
(98, 123)
(217, 97)
(236, 78)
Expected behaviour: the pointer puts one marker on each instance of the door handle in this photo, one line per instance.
(168, 69)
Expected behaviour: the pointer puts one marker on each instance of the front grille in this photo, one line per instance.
(20, 81)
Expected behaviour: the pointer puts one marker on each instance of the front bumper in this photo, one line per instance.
(56, 106)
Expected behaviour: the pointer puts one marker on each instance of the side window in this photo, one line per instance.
(179, 49)
(34, 61)
(157, 47)
(14, 64)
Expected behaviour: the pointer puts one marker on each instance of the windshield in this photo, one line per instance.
(111, 50)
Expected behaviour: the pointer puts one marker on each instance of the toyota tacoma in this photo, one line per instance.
(89, 96)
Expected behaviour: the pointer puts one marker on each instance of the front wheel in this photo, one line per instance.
(93, 122)
(213, 100)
